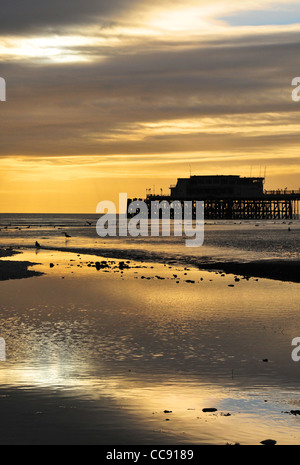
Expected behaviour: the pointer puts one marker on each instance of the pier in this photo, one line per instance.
(231, 197)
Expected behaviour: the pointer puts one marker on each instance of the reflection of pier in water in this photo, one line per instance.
(230, 197)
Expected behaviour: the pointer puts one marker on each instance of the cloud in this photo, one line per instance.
(94, 108)
(31, 16)
(139, 93)
(19, 16)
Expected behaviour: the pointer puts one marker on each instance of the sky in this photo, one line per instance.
(117, 96)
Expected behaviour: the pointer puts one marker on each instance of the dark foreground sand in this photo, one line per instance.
(57, 418)
(270, 269)
(13, 269)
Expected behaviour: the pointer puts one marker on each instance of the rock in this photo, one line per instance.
(268, 442)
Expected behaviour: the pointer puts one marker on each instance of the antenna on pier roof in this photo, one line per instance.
(265, 174)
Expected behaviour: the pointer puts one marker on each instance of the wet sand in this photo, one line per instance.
(47, 417)
(15, 269)
(281, 270)
(108, 351)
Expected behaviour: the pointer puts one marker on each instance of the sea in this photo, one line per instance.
(244, 240)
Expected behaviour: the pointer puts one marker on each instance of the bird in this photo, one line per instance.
(67, 235)
(37, 245)
(89, 223)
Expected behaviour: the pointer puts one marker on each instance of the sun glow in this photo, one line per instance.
(60, 49)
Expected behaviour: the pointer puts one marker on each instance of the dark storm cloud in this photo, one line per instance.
(93, 107)
(217, 69)
(17, 16)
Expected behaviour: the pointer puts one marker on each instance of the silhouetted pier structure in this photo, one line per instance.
(232, 197)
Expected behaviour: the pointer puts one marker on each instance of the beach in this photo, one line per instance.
(126, 345)
(150, 226)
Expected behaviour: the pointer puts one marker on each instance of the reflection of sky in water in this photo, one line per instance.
(150, 344)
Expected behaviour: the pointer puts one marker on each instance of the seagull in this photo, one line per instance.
(89, 223)
(37, 245)
(67, 235)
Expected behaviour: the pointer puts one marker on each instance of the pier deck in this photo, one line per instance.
(280, 204)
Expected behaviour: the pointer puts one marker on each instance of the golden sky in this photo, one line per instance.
(119, 96)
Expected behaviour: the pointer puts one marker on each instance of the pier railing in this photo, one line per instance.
(283, 192)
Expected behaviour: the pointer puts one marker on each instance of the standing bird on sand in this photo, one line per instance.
(67, 235)
(37, 245)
